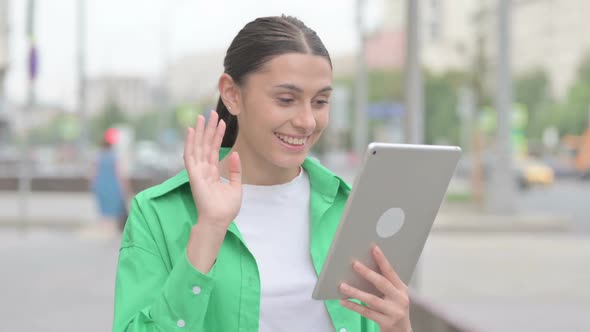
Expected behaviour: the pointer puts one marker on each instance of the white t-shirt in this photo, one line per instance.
(274, 222)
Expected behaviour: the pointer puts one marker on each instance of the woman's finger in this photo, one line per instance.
(216, 145)
(374, 302)
(369, 313)
(188, 146)
(380, 282)
(387, 269)
(198, 139)
(235, 170)
(209, 134)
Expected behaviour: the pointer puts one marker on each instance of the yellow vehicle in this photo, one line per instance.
(526, 171)
(533, 172)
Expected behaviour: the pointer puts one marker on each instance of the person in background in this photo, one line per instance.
(110, 187)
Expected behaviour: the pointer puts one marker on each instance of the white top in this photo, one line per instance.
(274, 222)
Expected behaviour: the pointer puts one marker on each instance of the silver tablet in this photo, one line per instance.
(393, 203)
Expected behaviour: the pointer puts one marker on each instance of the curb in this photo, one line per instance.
(501, 224)
(444, 223)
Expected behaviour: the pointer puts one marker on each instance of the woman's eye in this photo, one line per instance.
(285, 100)
(322, 102)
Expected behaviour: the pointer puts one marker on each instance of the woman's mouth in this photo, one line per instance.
(295, 141)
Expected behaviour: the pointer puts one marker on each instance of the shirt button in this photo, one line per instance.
(197, 290)
(180, 323)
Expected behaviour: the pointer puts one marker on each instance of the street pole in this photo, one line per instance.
(413, 79)
(414, 90)
(502, 186)
(466, 110)
(162, 96)
(81, 65)
(24, 183)
(360, 126)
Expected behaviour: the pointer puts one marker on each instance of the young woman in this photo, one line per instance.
(110, 188)
(236, 241)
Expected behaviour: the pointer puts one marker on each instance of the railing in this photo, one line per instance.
(71, 184)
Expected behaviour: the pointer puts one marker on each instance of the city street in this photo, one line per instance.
(55, 281)
(569, 198)
(509, 282)
(98, 104)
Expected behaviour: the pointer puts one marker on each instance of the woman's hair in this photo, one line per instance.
(105, 144)
(257, 43)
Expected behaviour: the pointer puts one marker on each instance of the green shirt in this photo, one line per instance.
(157, 288)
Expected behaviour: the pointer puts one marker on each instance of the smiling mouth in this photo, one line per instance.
(292, 140)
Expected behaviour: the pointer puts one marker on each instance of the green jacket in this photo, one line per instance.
(157, 289)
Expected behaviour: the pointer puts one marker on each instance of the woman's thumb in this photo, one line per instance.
(235, 169)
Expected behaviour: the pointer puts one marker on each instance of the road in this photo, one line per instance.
(55, 281)
(510, 282)
(566, 197)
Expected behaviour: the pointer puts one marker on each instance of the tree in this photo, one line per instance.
(532, 89)
(111, 116)
(441, 120)
(573, 117)
(147, 125)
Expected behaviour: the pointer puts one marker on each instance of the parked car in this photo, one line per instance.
(531, 172)
(527, 171)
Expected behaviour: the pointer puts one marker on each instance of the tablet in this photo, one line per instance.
(393, 203)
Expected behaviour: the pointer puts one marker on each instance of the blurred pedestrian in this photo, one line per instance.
(110, 186)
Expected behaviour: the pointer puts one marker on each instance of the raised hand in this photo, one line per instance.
(217, 202)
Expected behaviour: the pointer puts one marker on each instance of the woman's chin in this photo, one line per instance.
(289, 161)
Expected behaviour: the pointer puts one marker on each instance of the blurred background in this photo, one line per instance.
(508, 81)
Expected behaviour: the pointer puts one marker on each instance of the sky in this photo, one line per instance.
(137, 37)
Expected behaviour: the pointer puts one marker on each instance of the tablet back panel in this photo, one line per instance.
(397, 183)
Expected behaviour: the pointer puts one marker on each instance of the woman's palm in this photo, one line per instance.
(216, 200)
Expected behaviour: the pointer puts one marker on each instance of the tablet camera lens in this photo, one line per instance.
(374, 152)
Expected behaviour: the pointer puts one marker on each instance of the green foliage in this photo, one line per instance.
(61, 128)
(385, 85)
(442, 123)
(532, 89)
(111, 115)
(147, 126)
(440, 92)
(573, 117)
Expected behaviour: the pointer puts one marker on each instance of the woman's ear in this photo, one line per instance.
(230, 93)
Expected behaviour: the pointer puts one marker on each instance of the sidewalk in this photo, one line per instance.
(466, 217)
(57, 281)
(48, 210)
(74, 210)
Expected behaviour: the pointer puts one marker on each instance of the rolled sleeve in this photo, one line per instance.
(152, 294)
(185, 290)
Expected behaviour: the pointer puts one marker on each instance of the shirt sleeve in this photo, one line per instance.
(368, 325)
(149, 296)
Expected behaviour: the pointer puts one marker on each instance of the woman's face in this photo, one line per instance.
(284, 108)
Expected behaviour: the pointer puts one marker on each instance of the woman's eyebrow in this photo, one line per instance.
(300, 90)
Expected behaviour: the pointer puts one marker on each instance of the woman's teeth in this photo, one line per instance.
(291, 140)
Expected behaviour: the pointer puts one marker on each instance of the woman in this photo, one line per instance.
(236, 241)
(109, 186)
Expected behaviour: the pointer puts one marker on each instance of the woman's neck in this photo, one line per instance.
(256, 170)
